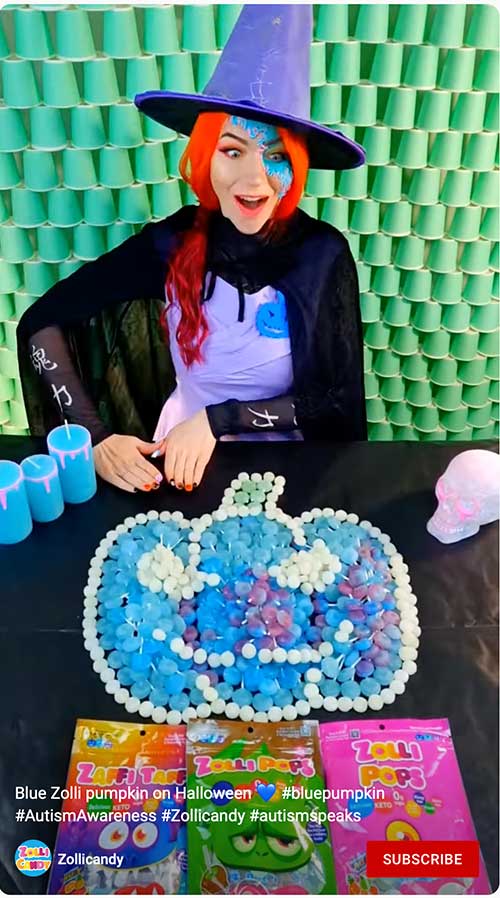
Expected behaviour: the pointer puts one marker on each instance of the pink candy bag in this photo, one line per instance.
(415, 792)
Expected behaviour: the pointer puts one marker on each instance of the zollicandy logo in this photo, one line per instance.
(32, 857)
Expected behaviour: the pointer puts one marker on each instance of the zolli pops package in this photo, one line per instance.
(246, 834)
(414, 763)
(121, 777)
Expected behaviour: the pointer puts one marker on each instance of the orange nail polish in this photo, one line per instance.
(188, 487)
(147, 487)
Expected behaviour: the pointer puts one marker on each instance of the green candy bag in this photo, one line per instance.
(254, 816)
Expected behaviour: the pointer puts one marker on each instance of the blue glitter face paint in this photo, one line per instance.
(250, 172)
(279, 170)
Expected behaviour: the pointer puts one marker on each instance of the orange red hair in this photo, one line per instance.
(186, 271)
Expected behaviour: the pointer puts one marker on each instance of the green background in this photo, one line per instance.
(416, 85)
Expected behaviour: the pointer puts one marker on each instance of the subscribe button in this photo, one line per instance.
(422, 859)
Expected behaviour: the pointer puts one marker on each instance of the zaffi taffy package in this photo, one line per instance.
(249, 829)
(114, 838)
(412, 790)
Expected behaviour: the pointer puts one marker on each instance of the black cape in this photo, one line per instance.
(109, 311)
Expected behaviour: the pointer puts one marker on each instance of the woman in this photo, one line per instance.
(262, 311)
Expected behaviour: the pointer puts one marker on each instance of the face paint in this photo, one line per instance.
(265, 134)
(282, 171)
(258, 131)
(250, 173)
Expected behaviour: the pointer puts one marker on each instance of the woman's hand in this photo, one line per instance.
(188, 449)
(120, 460)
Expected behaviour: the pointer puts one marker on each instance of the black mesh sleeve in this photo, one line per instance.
(51, 360)
(261, 416)
(133, 270)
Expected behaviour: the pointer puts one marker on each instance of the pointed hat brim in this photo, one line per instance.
(327, 148)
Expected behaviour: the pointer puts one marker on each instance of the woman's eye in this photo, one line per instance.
(278, 157)
(229, 151)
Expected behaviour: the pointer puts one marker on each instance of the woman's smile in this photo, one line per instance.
(250, 205)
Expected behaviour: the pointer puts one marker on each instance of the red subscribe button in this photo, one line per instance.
(422, 859)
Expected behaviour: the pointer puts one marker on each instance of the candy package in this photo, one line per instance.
(250, 831)
(412, 764)
(114, 838)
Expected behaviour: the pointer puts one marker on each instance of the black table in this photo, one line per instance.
(46, 675)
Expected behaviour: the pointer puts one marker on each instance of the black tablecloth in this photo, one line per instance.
(46, 675)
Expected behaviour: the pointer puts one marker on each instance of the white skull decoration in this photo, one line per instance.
(468, 495)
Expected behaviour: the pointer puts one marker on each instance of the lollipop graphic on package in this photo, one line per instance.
(249, 829)
(413, 764)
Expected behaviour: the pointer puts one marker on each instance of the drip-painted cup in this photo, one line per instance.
(43, 487)
(15, 517)
(71, 447)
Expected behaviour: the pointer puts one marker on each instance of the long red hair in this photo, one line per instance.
(186, 271)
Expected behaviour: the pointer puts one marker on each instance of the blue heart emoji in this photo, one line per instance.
(266, 790)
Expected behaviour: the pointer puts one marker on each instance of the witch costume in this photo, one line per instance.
(283, 357)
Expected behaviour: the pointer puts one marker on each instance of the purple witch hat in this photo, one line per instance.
(262, 74)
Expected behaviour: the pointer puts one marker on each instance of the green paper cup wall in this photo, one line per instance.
(74, 38)
(120, 36)
(81, 169)
(100, 84)
(31, 34)
(125, 126)
(160, 30)
(332, 23)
